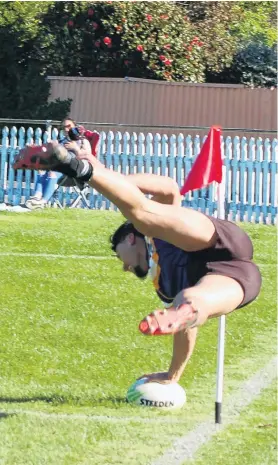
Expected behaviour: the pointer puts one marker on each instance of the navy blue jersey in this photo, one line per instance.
(172, 269)
(169, 269)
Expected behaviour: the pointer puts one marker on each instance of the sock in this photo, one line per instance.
(39, 185)
(50, 185)
(78, 169)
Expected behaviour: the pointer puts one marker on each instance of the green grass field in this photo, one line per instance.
(70, 348)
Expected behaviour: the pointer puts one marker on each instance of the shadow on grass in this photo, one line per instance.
(25, 399)
(59, 400)
(4, 416)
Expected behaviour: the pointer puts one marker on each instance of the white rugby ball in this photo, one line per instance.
(167, 396)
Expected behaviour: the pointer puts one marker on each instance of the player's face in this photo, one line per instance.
(132, 252)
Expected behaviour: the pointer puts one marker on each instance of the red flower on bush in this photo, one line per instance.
(167, 46)
(164, 16)
(140, 48)
(168, 62)
(190, 48)
(107, 41)
(149, 18)
(70, 23)
(119, 28)
(126, 62)
(97, 43)
(162, 57)
(90, 12)
(95, 25)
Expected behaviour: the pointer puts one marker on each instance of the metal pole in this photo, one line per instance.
(220, 369)
(222, 319)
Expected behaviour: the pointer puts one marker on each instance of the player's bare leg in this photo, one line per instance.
(212, 296)
(185, 228)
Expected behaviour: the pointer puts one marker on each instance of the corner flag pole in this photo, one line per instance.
(207, 168)
(222, 318)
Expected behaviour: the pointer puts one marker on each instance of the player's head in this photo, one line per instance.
(130, 247)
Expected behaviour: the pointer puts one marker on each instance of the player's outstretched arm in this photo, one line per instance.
(162, 188)
(183, 346)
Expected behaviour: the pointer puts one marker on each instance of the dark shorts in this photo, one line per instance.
(232, 256)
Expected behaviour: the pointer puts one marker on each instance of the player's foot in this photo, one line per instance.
(41, 157)
(171, 321)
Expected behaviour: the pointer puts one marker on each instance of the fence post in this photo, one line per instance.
(48, 128)
(265, 180)
(156, 153)
(15, 192)
(273, 180)
(171, 156)
(258, 183)
(234, 177)
(125, 154)
(196, 150)
(4, 163)
(149, 153)
(116, 156)
(161, 162)
(141, 152)
(242, 178)
(187, 162)
(180, 177)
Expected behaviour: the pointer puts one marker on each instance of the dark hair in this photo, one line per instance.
(68, 119)
(120, 234)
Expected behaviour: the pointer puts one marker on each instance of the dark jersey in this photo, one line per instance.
(169, 269)
(172, 269)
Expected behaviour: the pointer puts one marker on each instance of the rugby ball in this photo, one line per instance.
(166, 396)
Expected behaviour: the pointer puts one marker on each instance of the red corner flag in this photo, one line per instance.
(208, 165)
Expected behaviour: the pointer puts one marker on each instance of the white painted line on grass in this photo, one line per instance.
(60, 256)
(88, 417)
(75, 256)
(185, 447)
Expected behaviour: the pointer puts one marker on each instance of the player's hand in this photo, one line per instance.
(162, 378)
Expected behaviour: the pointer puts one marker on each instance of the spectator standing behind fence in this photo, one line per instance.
(47, 180)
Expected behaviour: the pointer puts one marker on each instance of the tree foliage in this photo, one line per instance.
(214, 23)
(258, 23)
(24, 90)
(150, 40)
(255, 61)
(159, 40)
(187, 41)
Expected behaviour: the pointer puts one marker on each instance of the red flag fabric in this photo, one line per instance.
(208, 165)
